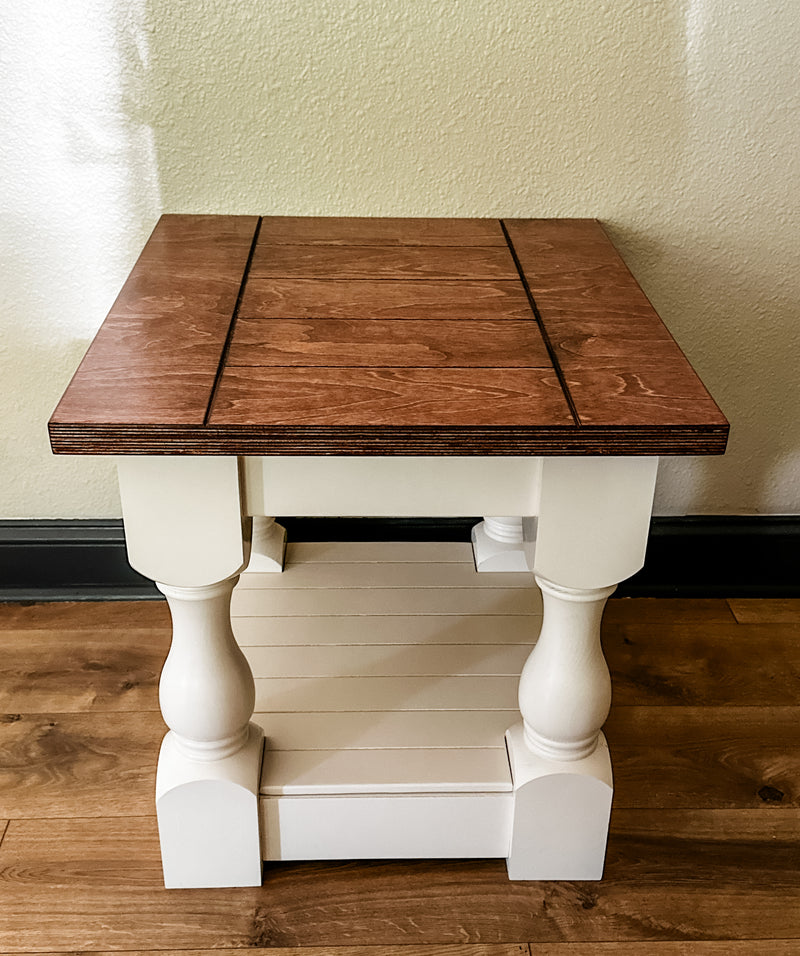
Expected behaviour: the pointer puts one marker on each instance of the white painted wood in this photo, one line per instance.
(314, 694)
(469, 770)
(269, 546)
(206, 690)
(183, 518)
(393, 552)
(384, 601)
(497, 545)
(386, 575)
(208, 816)
(386, 827)
(396, 486)
(594, 518)
(377, 729)
(388, 660)
(565, 686)
(324, 631)
(507, 529)
(560, 812)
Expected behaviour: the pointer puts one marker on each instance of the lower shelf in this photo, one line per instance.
(386, 676)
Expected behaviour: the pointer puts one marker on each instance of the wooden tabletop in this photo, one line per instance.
(302, 336)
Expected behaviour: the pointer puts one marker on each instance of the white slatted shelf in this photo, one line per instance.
(385, 771)
(325, 630)
(397, 574)
(316, 695)
(394, 730)
(386, 675)
(389, 660)
(249, 602)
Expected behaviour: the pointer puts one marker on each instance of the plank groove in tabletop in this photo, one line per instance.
(156, 357)
(485, 300)
(389, 397)
(365, 342)
(584, 290)
(381, 231)
(383, 262)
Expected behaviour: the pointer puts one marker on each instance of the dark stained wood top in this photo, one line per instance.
(292, 335)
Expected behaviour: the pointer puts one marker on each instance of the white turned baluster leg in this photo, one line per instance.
(207, 783)
(269, 546)
(565, 687)
(184, 529)
(497, 545)
(561, 812)
(591, 533)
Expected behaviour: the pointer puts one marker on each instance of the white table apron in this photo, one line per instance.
(188, 527)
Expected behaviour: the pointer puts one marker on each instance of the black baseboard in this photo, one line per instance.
(725, 556)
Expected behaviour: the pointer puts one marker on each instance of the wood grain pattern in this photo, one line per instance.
(487, 300)
(726, 947)
(681, 611)
(150, 383)
(107, 669)
(704, 860)
(261, 439)
(406, 949)
(364, 343)
(155, 358)
(620, 364)
(381, 262)
(55, 764)
(696, 664)
(683, 875)
(776, 611)
(705, 664)
(384, 231)
(714, 757)
(93, 615)
(389, 398)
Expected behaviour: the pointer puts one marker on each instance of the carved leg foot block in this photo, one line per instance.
(561, 813)
(208, 816)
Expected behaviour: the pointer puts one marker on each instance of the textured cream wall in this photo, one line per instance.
(673, 121)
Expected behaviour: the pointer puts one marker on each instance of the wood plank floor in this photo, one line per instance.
(704, 853)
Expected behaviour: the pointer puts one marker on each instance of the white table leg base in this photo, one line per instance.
(497, 545)
(561, 813)
(208, 819)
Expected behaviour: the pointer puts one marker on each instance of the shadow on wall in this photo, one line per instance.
(81, 160)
